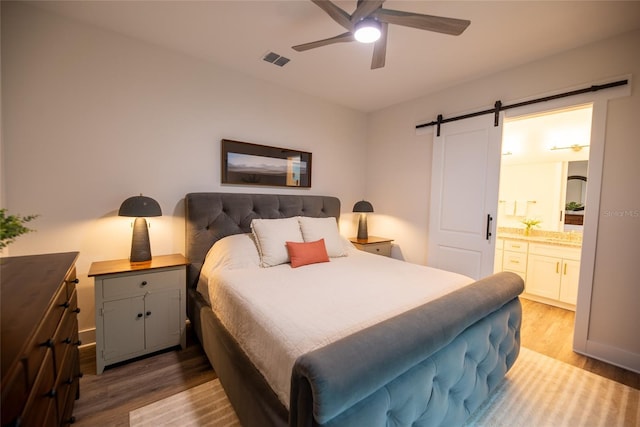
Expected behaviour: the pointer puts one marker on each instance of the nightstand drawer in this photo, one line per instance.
(378, 248)
(131, 284)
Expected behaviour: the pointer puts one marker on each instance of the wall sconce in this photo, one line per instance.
(362, 207)
(140, 207)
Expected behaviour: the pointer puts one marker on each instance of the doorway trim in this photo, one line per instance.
(599, 100)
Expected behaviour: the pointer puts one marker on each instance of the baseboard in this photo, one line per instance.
(87, 337)
(612, 355)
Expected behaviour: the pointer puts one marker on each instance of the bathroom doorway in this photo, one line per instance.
(542, 199)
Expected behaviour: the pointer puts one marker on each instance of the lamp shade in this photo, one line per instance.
(140, 206)
(362, 206)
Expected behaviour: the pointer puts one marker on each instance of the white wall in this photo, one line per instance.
(403, 193)
(92, 117)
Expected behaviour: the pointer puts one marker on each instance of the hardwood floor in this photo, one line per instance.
(106, 400)
(549, 331)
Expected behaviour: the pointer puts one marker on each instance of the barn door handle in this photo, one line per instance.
(489, 219)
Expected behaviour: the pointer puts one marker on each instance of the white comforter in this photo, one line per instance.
(280, 313)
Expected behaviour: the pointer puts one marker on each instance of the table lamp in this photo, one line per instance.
(362, 207)
(140, 207)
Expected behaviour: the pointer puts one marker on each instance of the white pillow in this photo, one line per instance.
(323, 228)
(272, 236)
(232, 252)
(229, 253)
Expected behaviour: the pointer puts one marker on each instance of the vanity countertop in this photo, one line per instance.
(569, 241)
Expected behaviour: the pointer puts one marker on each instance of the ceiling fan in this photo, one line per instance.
(369, 22)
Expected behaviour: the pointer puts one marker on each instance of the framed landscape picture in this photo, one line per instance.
(253, 164)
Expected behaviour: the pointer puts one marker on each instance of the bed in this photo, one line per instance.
(433, 363)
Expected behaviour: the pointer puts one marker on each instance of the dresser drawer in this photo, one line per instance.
(14, 395)
(515, 261)
(66, 335)
(515, 246)
(115, 287)
(41, 408)
(44, 337)
(70, 282)
(66, 383)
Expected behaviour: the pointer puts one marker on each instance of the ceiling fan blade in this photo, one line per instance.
(439, 24)
(380, 48)
(344, 37)
(365, 8)
(337, 14)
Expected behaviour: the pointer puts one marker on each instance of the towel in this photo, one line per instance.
(521, 207)
(509, 207)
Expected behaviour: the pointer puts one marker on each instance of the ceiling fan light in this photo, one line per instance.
(367, 31)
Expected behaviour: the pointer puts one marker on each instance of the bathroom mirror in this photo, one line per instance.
(576, 195)
(576, 186)
(576, 191)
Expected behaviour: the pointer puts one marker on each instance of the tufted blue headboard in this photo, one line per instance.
(212, 216)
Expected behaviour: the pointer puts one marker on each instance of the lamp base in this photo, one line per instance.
(362, 227)
(140, 246)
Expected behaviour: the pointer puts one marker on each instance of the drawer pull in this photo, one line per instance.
(77, 310)
(76, 281)
(565, 269)
(65, 304)
(78, 343)
(144, 283)
(558, 267)
(51, 393)
(72, 420)
(67, 340)
(139, 315)
(148, 313)
(48, 343)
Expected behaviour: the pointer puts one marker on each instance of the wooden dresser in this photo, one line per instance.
(40, 358)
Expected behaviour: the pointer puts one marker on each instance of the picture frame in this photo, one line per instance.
(244, 163)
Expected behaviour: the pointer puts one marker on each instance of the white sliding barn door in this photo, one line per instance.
(464, 196)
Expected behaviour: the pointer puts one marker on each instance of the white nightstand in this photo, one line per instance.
(140, 307)
(374, 245)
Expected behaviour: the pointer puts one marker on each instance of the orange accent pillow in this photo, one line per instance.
(307, 253)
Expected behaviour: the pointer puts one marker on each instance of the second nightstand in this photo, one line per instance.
(140, 307)
(374, 245)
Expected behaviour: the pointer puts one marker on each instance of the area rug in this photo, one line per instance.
(542, 391)
(538, 391)
(203, 405)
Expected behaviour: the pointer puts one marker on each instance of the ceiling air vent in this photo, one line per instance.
(275, 59)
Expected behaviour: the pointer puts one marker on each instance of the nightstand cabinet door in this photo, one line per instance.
(123, 328)
(162, 319)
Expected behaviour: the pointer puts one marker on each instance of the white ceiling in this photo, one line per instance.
(236, 34)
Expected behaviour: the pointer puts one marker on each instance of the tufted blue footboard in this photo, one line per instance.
(432, 366)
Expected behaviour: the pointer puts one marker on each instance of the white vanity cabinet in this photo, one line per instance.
(553, 272)
(497, 261)
(140, 307)
(514, 258)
